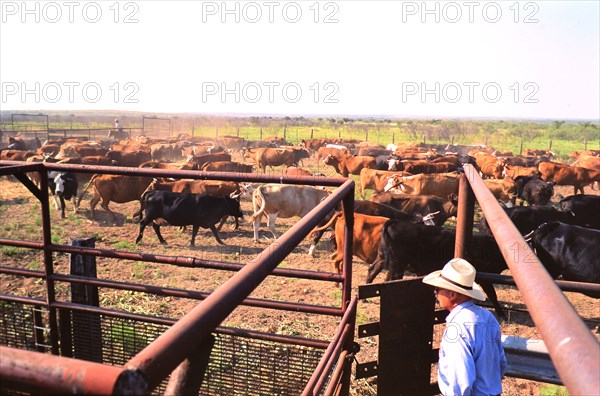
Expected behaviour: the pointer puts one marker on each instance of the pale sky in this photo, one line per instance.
(503, 59)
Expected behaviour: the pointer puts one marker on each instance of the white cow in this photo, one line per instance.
(283, 200)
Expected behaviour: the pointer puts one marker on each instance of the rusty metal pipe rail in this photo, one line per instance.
(573, 349)
(179, 261)
(196, 295)
(181, 174)
(23, 300)
(332, 353)
(40, 372)
(577, 287)
(164, 354)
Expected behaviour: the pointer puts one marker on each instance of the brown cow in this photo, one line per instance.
(489, 165)
(366, 232)
(115, 188)
(588, 162)
(439, 184)
(566, 175)
(129, 158)
(350, 165)
(171, 165)
(198, 161)
(228, 166)
(429, 167)
(161, 152)
(271, 157)
(15, 155)
(312, 145)
(276, 141)
(73, 150)
(537, 152)
(338, 152)
(505, 190)
(376, 180)
(516, 171)
(233, 144)
(293, 171)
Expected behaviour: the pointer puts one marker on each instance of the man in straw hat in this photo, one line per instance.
(471, 360)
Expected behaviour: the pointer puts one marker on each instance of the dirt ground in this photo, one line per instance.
(20, 218)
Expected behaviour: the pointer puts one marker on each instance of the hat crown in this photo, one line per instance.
(460, 271)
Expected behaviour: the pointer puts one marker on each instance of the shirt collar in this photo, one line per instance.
(457, 309)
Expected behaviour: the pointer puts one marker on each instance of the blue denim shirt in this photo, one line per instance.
(472, 360)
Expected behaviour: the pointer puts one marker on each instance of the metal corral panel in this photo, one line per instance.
(405, 338)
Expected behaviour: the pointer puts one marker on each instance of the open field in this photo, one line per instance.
(21, 219)
(559, 136)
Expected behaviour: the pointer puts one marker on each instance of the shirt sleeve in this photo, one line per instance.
(457, 367)
(503, 363)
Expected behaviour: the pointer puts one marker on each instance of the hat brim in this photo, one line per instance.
(435, 279)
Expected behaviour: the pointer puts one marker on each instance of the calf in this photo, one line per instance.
(423, 249)
(569, 250)
(182, 209)
(63, 185)
(585, 207)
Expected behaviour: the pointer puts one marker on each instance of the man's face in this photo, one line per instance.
(444, 297)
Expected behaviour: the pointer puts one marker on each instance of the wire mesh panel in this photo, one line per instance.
(237, 365)
(244, 366)
(18, 325)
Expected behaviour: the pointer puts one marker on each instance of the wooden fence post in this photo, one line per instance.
(87, 331)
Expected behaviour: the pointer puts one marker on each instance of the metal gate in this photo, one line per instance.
(99, 350)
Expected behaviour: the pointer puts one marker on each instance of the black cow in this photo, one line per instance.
(366, 208)
(528, 218)
(64, 185)
(585, 207)
(569, 250)
(534, 190)
(423, 249)
(180, 209)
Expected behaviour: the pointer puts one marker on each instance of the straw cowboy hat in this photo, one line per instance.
(458, 275)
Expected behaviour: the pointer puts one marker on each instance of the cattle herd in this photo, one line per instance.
(414, 192)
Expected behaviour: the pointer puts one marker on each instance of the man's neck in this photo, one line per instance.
(457, 301)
